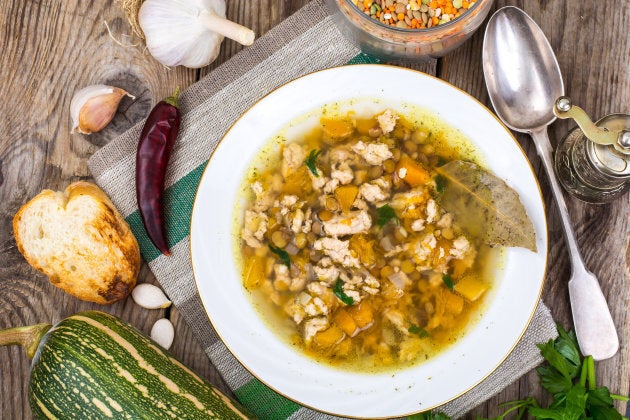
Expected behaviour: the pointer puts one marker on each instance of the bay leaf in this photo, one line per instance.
(485, 206)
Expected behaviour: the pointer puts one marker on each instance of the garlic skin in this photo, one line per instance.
(93, 107)
(188, 32)
(149, 296)
(163, 333)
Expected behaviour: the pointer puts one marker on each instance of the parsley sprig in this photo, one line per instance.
(282, 254)
(385, 214)
(570, 379)
(311, 160)
(419, 331)
(338, 291)
(448, 281)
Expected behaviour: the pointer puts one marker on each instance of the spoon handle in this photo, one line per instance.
(593, 323)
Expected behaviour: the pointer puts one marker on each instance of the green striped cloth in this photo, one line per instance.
(306, 42)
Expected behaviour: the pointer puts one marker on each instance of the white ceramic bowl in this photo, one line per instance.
(281, 367)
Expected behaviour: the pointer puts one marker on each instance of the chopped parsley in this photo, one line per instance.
(338, 291)
(419, 331)
(282, 254)
(311, 160)
(448, 281)
(385, 214)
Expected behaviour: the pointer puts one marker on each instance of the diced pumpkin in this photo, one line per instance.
(412, 172)
(336, 128)
(255, 273)
(453, 303)
(298, 182)
(345, 195)
(470, 287)
(459, 268)
(364, 125)
(362, 314)
(343, 320)
(329, 337)
(343, 349)
(364, 249)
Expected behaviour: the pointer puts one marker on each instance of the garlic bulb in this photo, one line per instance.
(188, 32)
(163, 333)
(149, 296)
(93, 107)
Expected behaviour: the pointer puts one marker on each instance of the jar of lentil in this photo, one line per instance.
(409, 29)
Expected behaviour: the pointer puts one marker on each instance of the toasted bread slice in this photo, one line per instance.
(78, 238)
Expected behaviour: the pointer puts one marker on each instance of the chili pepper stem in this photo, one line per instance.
(173, 99)
(27, 337)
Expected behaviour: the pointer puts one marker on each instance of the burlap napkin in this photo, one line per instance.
(307, 41)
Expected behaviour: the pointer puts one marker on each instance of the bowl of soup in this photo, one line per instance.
(369, 249)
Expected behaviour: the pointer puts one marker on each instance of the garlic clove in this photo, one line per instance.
(149, 296)
(93, 107)
(163, 333)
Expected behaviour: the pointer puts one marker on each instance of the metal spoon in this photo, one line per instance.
(523, 80)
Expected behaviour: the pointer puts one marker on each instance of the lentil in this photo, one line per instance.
(414, 14)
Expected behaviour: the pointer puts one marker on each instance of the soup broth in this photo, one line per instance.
(346, 250)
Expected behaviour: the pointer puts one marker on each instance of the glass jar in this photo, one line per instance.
(593, 172)
(390, 42)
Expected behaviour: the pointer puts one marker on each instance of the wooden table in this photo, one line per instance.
(51, 48)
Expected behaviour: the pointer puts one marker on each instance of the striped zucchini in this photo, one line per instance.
(93, 365)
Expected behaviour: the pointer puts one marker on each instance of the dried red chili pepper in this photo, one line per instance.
(154, 149)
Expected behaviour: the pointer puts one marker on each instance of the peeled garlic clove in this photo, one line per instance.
(163, 333)
(93, 107)
(149, 296)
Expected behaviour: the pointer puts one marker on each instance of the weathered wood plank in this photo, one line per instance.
(594, 57)
(51, 49)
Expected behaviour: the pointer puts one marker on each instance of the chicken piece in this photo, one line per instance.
(432, 210)
(326, 274)
(410, 204)
(254, 228)
(373, 153)
(264, 199)
(460, 247)
(331, 186)
(318, 181)
(348, 224)
(417, 225)
(292, 158)
(360, 204)
(287, 203)
(296, 221)
(337, 250)
(350, 291)
(372, 193)
(445, 221)
(387, 121)
(317, 288)
(342, 154)
(342, 173)
(423, 248)
(283, 280)
(316, 306)
(371, 284)
(312, 326)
